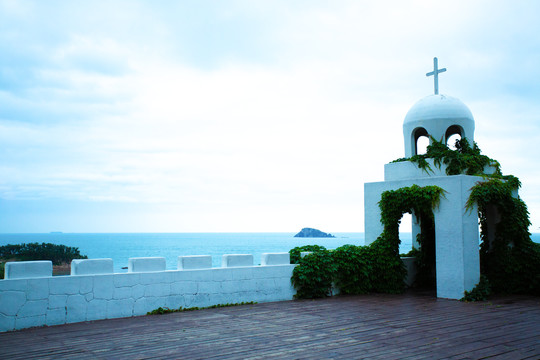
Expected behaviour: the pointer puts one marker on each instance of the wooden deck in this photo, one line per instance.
(410, 326)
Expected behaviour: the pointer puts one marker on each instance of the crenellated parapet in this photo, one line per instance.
(33, 297)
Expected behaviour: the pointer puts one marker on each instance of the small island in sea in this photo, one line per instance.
(313, 233)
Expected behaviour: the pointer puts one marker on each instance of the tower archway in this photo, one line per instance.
(420, 140)
(453, 133)
(439, 117)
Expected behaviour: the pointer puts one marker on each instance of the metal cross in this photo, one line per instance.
(436, 71)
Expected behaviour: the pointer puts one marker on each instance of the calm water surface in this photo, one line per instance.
(120, 247)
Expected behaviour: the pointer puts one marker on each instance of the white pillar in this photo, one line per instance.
(372, 214)
(456, 240)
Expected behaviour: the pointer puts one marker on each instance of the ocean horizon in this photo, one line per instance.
(122, 246)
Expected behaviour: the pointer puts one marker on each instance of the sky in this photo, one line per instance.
(244, 116)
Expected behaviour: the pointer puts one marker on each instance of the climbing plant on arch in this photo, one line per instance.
(510, 260)
(376, 267)
(419, 201)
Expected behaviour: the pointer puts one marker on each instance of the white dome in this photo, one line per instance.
(438, 107)
(438, 117)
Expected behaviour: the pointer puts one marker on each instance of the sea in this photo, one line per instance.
(122, 246)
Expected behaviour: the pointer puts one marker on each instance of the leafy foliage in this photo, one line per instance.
(58, 254)
(354, 268)
(421, 201)
(388, 271)
(373, 268)
(314, 275)
(294, 254)
(510, 261)
(480, 292)
(508, 256)
(466, 159)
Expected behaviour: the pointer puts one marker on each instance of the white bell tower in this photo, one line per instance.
(438, 117)
(456, 229)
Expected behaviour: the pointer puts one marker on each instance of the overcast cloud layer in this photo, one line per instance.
(179, 116)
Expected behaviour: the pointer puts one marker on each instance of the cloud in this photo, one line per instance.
(238, 115)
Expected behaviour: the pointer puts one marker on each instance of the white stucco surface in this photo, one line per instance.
(233, 260)
(275, 258)
(457, 240)
(91, 266)
(27, 302)
(406, 170)
(436, 114)
(191, 262)
(438, 106)
(143, 264)
(456, 230)
(23, 269)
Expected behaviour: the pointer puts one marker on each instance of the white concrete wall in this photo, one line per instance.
(91, 266)
(27, 302)
(406, 170)
(457, 240)
(26, 269)
(456, 230)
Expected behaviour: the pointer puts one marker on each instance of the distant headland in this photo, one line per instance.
(313, 233)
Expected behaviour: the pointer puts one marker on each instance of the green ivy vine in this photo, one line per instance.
(480, 292)
(466, 159)
(419, 201)
(373, 268)
(313, 276)
(509, 259)
(354, 269)
(295, 253)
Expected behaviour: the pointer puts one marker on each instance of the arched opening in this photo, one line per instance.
(405, 234)
(426, 276)
(421, 145)
(419, 201)
(508, 257)
(421, 141)
(420, 244)
(454, 132)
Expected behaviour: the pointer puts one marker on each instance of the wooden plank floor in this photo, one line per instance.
(410, 326)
